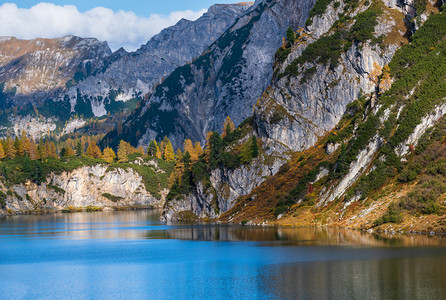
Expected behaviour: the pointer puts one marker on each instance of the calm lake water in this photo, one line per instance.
(125, 255)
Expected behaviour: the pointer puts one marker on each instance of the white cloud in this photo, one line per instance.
(119, 29)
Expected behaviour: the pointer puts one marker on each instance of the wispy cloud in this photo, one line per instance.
(119, 29)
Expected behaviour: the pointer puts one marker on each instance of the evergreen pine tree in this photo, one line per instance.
(254, 147)
(151, 150)
(79, 150)
(290, 36)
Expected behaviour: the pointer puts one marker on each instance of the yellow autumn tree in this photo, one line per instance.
(207, 149)
(140, 150)
(25, 142)
(189, 147)
(158, 153)
(33, 153)
(41, 150)
(9, 148)
(284, 43)
(169, 154)
(386, 80)
(19, 147)
(109, 155)
(375, 73)
(228, 127)
(93, 150)
(178, 170)
(122, 151)
(2, 152)
(198, 148)
(70, 151)
(53, 151)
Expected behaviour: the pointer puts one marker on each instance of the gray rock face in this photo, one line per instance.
(297, 113)
(226, 80)
(81, 188)
(226, 187)
(135, 74)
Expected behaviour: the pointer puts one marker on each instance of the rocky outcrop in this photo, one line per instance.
(209, 202)
(298, 110)
(226, 80)
(97, 186)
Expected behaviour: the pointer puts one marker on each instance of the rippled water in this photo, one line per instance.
(124, 255)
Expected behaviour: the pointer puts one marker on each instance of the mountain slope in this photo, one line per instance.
(375, 114)
(51, 80)
(37, 69)
(226, 80)
(135, 74)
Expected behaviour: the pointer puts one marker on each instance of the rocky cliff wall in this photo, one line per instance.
(96, 186)
(226, 80)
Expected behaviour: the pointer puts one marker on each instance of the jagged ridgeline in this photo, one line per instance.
(66, 84)
(361, 98)
(226, 80)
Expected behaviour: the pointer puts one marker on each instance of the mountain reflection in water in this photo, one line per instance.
(134, 255)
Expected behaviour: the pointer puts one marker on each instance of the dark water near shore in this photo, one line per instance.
(126, 255)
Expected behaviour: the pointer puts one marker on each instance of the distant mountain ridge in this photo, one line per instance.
(72, 75)
(225, 80)
(40, 68)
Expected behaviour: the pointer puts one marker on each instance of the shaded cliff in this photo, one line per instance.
(226, 80)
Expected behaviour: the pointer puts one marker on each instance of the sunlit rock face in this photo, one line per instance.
(96, 186)
(40, 68)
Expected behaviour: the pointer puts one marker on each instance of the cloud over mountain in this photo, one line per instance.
(119, 29)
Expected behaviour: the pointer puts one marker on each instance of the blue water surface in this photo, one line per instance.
(132, 255)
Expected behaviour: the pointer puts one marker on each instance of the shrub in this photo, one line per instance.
(393, 215)
(112, 197)
(56, 189)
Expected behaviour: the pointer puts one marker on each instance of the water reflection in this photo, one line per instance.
(407, 278)
(99, 225)
(134, 255)
(145, 224)
(296, 236)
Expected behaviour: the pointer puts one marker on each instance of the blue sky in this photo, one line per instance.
(140, 7)
(127, 24)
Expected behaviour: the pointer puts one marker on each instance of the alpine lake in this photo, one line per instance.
(132, 254)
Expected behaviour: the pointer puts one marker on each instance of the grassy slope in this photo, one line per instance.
(420, 64)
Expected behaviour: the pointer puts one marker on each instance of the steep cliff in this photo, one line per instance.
(226, 80)
(95, 185)
(385, 172)
(355, 111)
